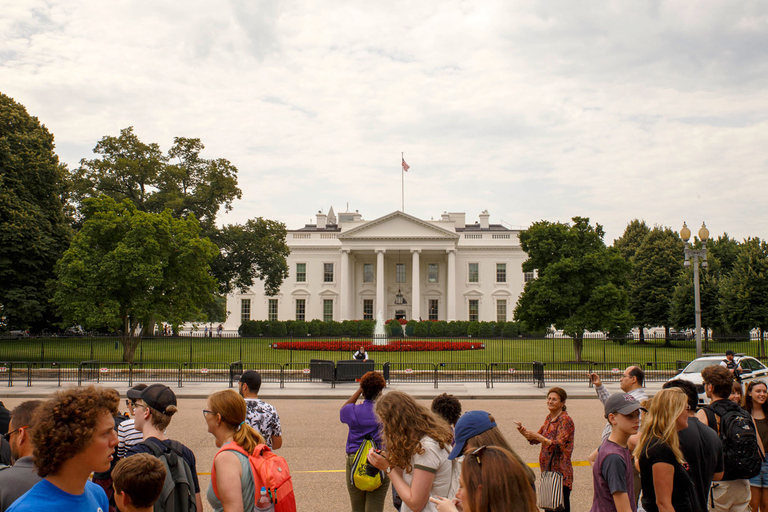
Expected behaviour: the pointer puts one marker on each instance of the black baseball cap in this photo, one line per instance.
(157, 396)
(730, 353)
(252, 379)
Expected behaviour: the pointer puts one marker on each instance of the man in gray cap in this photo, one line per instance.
(612, 477)
(260, 415)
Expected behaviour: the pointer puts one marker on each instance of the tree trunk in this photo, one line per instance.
(667, 343)
(641, 338)
(578, 344)
(706, 340)
(762, 342)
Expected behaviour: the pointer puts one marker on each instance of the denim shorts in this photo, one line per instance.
(760, 480)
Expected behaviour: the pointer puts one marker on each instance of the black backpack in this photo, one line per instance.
(178, 493)
(741, 453)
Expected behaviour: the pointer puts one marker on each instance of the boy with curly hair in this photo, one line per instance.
(73, 436)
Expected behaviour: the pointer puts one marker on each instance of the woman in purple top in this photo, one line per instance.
(362, 422)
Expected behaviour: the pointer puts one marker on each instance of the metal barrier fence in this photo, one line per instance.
(324, 371)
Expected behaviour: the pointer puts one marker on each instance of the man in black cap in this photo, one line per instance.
(260, 415)
(731, 365)
(153, 409)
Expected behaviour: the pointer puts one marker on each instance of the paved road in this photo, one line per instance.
(314, 439)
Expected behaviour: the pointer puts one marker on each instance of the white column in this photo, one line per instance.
(451, 291)
(344, 291)
(380, 283)
(416, 295)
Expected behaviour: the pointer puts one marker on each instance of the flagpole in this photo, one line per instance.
(402, 181)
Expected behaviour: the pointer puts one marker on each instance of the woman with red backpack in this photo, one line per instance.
(225, 417)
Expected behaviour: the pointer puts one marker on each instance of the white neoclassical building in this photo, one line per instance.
(347, 268)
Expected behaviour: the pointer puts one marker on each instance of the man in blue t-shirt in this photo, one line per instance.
(73, 437)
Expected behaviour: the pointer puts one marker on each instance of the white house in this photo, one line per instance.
(350, 269)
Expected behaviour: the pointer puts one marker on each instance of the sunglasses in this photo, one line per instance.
(8, 435)
(478, 452)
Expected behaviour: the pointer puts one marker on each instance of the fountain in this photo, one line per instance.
(379, 333)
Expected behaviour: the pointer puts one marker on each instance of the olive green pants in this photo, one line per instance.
(364, 501)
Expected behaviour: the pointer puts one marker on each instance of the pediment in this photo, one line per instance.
(400, 226)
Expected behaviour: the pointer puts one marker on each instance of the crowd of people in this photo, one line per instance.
(662, 454)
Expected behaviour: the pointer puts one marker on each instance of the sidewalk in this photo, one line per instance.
(319, 391)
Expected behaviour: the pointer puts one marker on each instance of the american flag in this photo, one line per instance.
(405, 166)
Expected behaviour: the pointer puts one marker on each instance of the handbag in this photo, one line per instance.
(358, 476)
(551, 488)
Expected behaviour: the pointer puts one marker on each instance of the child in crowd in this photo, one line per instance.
(612, 476)
(138, 482)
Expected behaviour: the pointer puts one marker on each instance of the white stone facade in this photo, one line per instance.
(350, 269)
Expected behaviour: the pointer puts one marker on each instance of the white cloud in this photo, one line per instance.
(535, 110)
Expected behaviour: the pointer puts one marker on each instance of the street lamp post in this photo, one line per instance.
(685, 234)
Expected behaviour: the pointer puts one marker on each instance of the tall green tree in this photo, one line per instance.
(34, 225)
(744, 293)
(630, 241)
(185, 183)
(682, 312)
(634, 234)
(255, 250)
(657, 264)
(581, 284)
(125, 268)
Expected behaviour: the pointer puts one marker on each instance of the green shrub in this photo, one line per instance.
(349, 328)
(473, 329)
(277, 329)
(394, 328)
(486, 329)
(421, 329)
(456, 329)
(317, 328)
(249, 328)
(510, 330)
(299, 329)
(438, 328)
(410, 326)
(334, 328)
(365, 328)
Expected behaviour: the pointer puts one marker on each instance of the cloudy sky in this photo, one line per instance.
(532, 110)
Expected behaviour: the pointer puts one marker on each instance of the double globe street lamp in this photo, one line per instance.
(685, 234)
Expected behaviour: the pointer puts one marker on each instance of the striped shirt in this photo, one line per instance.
(127, 436)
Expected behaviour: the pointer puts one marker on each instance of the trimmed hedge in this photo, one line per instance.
(364, 329)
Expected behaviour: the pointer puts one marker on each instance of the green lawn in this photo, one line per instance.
(226, 350)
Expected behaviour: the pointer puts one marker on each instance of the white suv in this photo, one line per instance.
(751, 369)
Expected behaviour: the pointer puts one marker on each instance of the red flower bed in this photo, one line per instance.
(391, 346)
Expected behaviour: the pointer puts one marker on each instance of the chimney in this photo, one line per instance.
(459, 219)
(445, 216)
(321, 219)
(484, 220)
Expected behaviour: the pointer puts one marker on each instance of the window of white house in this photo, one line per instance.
(327, 272)
(301, 272)
(272, 311)
(245, 310)
(433, 309)
(367, 272)
(474, 310)
(474, 273)
(301, 308)
(400, 273)
(528, 276)
(501, 310)
(327, 310)
(367, 309)
(432, 273)
(501, 272)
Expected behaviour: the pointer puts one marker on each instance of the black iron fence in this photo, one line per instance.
(434, 360)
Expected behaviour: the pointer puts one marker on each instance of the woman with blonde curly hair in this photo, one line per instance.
(234, 488)
(666, 484)
(418, 444)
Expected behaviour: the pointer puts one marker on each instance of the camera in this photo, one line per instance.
(370, 469)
